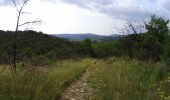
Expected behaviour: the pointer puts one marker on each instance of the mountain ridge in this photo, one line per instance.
(82, 36)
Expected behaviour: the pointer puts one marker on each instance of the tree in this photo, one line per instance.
(87, 48)
(157, 28)
(19, 5)
(151, 43)
(157, 34)
(131, 32)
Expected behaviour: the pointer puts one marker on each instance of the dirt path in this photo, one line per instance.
(79, 90)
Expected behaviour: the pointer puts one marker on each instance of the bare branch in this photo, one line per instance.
(119, 30)
(32, 22)
(19, 3)
(130, 28)
(26, 29)
(26, 13)
(24, 3)
(15, 5)
(19, 7)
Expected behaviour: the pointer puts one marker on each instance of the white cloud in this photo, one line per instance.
(82, 16)
(7, 18)
(59, 18)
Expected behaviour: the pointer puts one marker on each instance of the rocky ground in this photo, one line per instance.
(79, 90)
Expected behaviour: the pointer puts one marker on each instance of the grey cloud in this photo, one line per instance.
(105, 2)
(89, 4)
(119, 9)
(123, 9)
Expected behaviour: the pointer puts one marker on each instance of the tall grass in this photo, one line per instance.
(42, 83)
(114, 79)
(124, 79)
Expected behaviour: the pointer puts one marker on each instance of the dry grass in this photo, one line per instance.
(124, 79)
(114, 79)
(42, 83)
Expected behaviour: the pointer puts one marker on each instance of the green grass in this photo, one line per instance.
(42, 83)
(114, 79)
(123, 79)
(163, 88)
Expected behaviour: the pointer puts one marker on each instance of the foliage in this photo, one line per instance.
(157, 28)
(153, 44)
(163, 89)
(32, 46)
(107, 49)
(41, 83)
(124, 79)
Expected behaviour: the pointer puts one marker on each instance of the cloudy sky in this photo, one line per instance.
(81, 16)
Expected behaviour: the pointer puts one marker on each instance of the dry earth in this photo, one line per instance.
(79, 90)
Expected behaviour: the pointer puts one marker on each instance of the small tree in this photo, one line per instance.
(157, 34)
(19, 5)
(152, 43)
(130, 32)
(87, 47)
(157, 28)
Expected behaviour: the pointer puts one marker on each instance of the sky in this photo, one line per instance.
(81, 16)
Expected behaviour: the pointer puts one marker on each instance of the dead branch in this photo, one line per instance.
(130, 27)
(19, 6)
(32, 22)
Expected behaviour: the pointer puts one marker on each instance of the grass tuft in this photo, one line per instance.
(124, 79)
(41, 83)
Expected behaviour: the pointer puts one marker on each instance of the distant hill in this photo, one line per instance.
(79, 37)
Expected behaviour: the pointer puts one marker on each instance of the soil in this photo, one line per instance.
(80, 90)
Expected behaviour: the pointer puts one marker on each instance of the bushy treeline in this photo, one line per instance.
(153, 44)
(40, 48)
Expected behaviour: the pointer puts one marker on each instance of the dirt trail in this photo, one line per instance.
(79, 90)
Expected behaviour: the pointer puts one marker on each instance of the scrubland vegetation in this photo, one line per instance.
(40, 83)
(124, 79)
(135, 67)
(112, 79)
